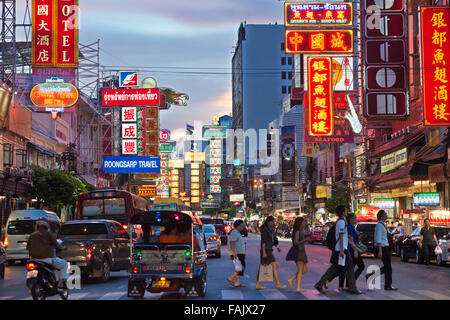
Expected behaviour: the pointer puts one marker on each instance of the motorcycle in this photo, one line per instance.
(2, 261)
(42, 282)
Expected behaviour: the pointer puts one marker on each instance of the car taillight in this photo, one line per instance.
(30, 266)
(213, 238)
(89, 252)
(187, 270)
(5, 242)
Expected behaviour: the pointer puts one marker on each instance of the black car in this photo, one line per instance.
(410, 248)
(366, 232)
(219, 224)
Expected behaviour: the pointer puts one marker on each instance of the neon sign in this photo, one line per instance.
(54, 95)
(318, 13)
(324, 41)
(320, 97)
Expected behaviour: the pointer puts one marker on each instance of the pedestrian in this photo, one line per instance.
(383, 250)
(267, 257)
(341, 261)
(427, 234)
(353, 241)
(300, 236)
(237, 250)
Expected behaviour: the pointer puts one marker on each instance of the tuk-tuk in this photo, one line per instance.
(170, 255)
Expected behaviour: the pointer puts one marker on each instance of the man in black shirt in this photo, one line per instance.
(426, 240)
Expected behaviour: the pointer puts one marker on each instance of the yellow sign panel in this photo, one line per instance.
(195, 199)
(321, 192)
(176, 163)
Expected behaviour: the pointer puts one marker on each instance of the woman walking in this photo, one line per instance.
(237, 250)
(300, 236)
(267, 257)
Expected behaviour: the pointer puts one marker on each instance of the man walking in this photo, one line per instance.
(341, 260)
(383, 251)
(426, 240)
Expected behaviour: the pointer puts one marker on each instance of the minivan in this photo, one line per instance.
(20, 224)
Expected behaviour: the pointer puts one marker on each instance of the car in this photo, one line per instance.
(221, 230)
(317, 234)
(206, 219)
(410, 249)
(366, 232)
(444, 243)
(212, 240)
(283, 231)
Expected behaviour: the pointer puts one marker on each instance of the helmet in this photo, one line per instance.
(41, 223)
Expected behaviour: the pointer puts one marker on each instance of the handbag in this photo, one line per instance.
(237, 265)
(438, 250)
(361, 248)
(265, 273)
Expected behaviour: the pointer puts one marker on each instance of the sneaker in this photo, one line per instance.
(390, 288)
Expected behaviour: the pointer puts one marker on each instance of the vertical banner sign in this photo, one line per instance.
(385, 59)
(320, 96)
(288, 154)
(152, 130)
(42, 33)
(54, 33)
(66, 44)
(141, 131)
(215, 155)
(435, 59)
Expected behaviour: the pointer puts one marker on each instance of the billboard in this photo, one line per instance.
(126, 164)
(130, 97)
(318, 14)
(288, 154)
(427, 199)
(435, 59)
(147, 191)
(214, 132)
(237, 198)
(318, 41)
(320, 94)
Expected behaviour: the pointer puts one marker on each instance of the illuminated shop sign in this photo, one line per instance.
(394, 160)
(426, 199)
(54, 95)
(318, 14)
(323, 41)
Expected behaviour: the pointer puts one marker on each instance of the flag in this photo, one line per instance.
(189, 129)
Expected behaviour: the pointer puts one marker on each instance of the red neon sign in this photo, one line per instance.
(441, 217)
(435, 54)
(56, 95)
(326, 41)
(66, 44)
(131, 97)
(42, 35)
(320, 94)
(318, 13)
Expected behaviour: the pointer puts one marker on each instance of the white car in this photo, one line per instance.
(444, 257)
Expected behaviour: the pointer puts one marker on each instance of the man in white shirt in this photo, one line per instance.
(340, 254)
(382, 250)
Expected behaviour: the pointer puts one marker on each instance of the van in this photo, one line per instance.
(20, 225)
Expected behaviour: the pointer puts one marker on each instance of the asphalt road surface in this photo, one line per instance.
(415, 282)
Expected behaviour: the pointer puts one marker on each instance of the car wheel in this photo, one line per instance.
(200, 286)
(106, 270)
(418, 256)
(2, 271)
(403, 255)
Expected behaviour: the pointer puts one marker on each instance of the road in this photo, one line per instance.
(414, 281)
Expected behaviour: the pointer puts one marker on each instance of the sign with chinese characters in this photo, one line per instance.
(321, 192)
(54, 95)
(318, 14)
(320, 94)
(141, 131)
(440, 217)
(237, 197)
(323, 41)
(129, 146)
(215, 170)
(130, 97)
(342, 131)
(164, 135)
(129, 114)
(384, 47)
(384, 203)
(147, 191)
(168, 146)
(54, 33)
(394, 160)
(428, 199)
(129, 131)
(435, 55)
(152, 131)
(215, 188)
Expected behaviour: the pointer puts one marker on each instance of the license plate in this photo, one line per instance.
(32, 274)
(161, 284)
(24, 244)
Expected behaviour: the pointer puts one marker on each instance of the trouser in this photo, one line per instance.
(335, 270)
(387, 268)
(359, 262)
(61, 266)
(427, 250)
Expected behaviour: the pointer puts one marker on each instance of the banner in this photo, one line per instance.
(130, 97)
(288, 154)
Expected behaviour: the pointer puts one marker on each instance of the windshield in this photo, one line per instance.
(366, 227)
(104, 207)
(21, 227)
(209, 229)
(207, 220)
(83, 229)
(164, 206)
(218, 221)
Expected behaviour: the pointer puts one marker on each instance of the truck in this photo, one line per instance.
(96, 246)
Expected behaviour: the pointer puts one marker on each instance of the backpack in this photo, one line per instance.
(331, 238)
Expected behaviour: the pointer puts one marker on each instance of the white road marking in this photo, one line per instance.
(77, 296)
(273, 294)
(232, 295)
(112, 296)
(432, 295)
(394, 295)
(313, 294)
(7, 298)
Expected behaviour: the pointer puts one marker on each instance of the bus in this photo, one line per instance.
(111, 204)
(173, 204)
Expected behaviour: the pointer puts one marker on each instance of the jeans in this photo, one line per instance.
(61, 266)
(335, 270)
(359, 262)
(427, 251)
(387, 268)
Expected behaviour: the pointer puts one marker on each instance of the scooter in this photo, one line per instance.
(2, 261)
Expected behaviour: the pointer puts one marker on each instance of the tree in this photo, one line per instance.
(55, 188)
(339, 196)
(231, 211)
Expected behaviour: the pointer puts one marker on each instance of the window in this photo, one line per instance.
(289, 89)
(290, 61)
(21, 227)
(290, 75)
(8, 154)
(22, 158)
(78, 229)
(283, 61)
(283, 75)
(283, 90)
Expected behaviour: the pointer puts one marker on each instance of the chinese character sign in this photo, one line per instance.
(435, 54)
(320, 96)
(317, 14)
(54, 33)
(309, 41)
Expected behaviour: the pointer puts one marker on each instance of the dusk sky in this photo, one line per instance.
(176, 33)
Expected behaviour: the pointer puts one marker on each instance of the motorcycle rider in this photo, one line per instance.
(41, 246)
